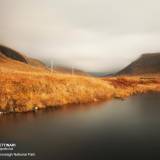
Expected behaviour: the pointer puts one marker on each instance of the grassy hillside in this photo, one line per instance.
(28, 86)
(147, 63)
(25, 87)
(20, 57)
(125, 86)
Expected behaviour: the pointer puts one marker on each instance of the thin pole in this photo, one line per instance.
(72, 70)
(51, 65)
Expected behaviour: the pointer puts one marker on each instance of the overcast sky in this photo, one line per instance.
(94, 35)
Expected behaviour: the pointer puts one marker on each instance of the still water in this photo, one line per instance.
(112, 130)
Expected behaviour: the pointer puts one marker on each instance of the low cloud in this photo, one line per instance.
(90, 35)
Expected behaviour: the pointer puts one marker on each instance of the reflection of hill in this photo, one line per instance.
(148, 105)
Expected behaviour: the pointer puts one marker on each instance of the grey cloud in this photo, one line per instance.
(93, 35)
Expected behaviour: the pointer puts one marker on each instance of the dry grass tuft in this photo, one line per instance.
(125, 86)
(23, 91)
(25, 88)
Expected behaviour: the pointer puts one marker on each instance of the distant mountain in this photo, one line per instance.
(146, 64)
(17, 56)
(14, 59)
(25, 86)
(70, 70)
(12, 54)
(36, 62)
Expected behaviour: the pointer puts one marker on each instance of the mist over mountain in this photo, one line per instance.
(9, 53)
(147, 64)
(11, 56)
(92, 35)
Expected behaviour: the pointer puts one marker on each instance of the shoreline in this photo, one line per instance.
(24, 92)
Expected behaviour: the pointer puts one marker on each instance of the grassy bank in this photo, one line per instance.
(25, 88)
(125, 86)
(26, 91)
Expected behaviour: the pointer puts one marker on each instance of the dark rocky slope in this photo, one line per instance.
(146, 64)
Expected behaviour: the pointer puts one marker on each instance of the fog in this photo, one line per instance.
(93, 35)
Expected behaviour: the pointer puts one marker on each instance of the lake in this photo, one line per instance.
(115, 129)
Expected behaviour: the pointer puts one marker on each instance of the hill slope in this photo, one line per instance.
(10, 53)
(17, 56)
(146, 64)
(25, 87)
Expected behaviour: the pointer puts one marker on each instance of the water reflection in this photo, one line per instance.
(98, 131)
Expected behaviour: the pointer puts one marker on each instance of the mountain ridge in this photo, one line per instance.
(147, 63)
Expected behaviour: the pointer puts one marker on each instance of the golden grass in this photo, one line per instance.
(125, 86)
(25, 88)
(22, 91)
